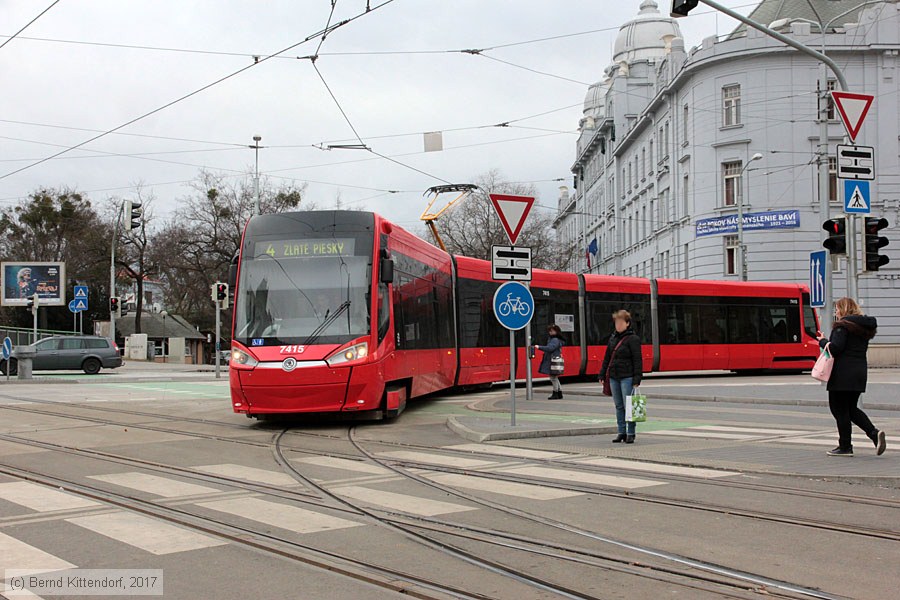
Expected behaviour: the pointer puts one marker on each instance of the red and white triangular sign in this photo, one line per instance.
(512, 211)
(853, 109)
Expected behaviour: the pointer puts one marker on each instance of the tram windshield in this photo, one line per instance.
(304, 289)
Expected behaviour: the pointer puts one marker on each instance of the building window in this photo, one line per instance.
(651, 156)
(685, 197)
(731, 105)
(643, 162)
(652, 216)
(731, 254)
(686, 258)
(659, 150)
(832, 179)
(731, 174)
(666, 140)
(685, 123)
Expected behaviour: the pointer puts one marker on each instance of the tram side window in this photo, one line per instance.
(600, 308)
(680, 324)
(743, 324)
(712, 324)
(782, 324)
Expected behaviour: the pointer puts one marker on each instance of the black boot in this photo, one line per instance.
(629, 439)
(619, 438)
(559, 395)
(553, 396)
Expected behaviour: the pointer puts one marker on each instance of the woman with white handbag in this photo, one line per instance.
(848, 344)
(552, 362)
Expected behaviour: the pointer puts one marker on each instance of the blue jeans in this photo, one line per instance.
(620, 389)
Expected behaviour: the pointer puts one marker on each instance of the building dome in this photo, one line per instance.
(595, 100)
(645, 36)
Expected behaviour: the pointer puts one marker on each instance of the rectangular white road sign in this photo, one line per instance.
(856, 162)
(510, 263)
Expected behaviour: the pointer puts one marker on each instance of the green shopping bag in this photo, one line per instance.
(636, 407)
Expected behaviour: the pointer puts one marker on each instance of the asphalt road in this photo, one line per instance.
(716, 500)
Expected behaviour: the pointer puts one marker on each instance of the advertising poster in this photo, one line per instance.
(21, 280)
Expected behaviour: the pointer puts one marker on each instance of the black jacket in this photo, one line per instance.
(627, 361)
(849, 342)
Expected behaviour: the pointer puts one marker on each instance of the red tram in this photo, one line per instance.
(341, 311)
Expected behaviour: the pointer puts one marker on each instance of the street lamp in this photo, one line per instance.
(740, 220)
(256, 140)
(164, 314)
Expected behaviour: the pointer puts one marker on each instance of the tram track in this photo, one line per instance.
(378, 575)
(590, 489)
(768, 583)
(524, 544)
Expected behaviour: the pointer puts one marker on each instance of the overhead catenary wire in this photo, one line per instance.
(196, 91)
(28, 24)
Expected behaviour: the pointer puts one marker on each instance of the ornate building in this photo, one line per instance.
(674, 140)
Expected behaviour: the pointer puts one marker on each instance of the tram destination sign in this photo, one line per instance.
(305, 248)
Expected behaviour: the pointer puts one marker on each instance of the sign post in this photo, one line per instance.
(514, 308)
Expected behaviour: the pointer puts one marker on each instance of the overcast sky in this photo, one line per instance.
(78, 79)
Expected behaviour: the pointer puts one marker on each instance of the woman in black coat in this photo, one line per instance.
(623, 365)
(551, 350)
(848, 344)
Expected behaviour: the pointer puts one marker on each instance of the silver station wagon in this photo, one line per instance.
(89, 353)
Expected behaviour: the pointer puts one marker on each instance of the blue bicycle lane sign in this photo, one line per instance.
(513, 305)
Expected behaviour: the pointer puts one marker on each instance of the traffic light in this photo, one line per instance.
(114, 307)
(680, 8)
(837, 235)
(875, 242)
(33, 303)
(133, 214)
(220, 294)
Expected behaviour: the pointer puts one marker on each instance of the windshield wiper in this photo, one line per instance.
(329, 319)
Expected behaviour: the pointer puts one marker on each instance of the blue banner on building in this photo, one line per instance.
(776, 219)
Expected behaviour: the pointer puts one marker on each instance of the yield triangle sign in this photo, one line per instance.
(512, 211)
(853, 109)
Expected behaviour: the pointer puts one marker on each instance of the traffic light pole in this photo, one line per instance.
(824, 200)
(112, 271)
(218, 338)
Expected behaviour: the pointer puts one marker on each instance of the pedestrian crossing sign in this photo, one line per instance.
(857, 197)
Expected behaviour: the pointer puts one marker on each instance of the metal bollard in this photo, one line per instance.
(24, 355)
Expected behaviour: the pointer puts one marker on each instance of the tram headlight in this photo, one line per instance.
(244, 359)
(354, 352)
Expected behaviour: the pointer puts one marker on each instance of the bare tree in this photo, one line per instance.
(135, 258)
(472, 227)
(195, 248)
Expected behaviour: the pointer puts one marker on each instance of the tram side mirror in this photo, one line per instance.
(232, 272)
(387, 270)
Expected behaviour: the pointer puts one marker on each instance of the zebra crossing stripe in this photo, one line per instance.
(631, 465)
(248, 474)
(343, 463)
(506, 488)
(28, 560)
(436, 459)
(154, 484)
(40, 498)
(292, 518)
(571, 476)
(401, 502)
(146, 533)
(507, 451)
